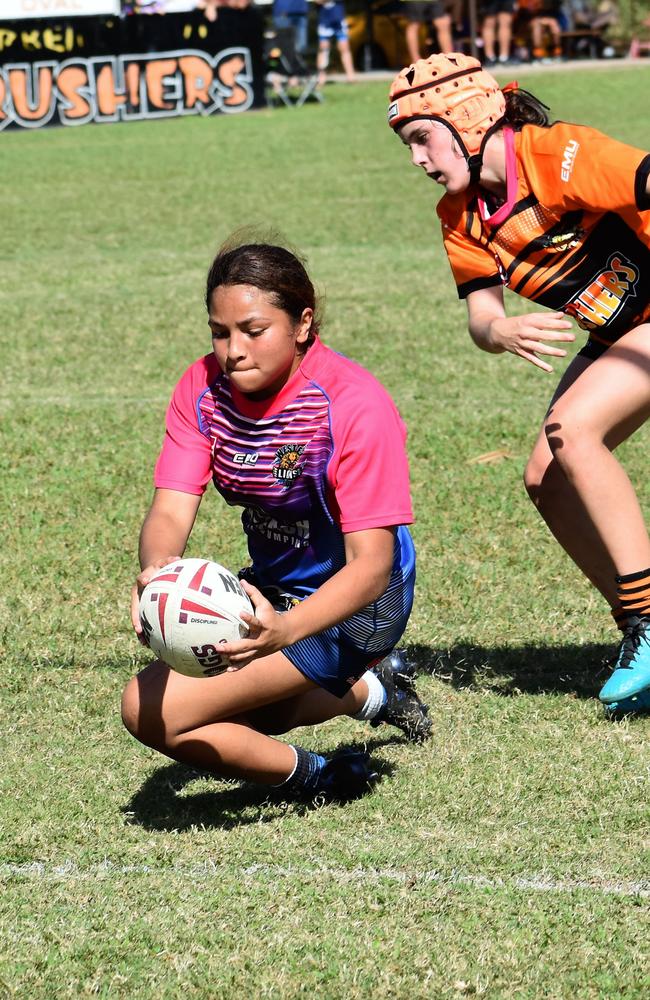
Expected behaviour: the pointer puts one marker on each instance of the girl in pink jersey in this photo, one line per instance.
(560, 214)
(312, 447)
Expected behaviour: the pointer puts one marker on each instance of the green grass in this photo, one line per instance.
(508, 857)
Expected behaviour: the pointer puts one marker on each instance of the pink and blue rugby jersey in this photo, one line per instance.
(323, 457)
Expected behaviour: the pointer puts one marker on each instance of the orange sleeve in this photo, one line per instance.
(577, 167)
(472, 264)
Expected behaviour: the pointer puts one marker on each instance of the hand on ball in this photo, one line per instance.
(141, 582)
(268, 631)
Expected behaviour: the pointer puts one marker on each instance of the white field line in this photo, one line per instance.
(207, 870)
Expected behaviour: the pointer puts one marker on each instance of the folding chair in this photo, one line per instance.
(288, 77)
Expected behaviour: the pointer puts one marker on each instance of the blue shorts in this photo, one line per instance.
(331, 23)
(336, 658)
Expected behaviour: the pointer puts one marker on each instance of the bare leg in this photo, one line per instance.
(602, 408)
(537, 35)
(322, 61)
(556, 35)
(504, 22)
(572, 477)
(308, 709)
(443, 32)
(207, 722)
(346, 59)
(412, 37)
(565, 515)
(560, 506)
(488, 36)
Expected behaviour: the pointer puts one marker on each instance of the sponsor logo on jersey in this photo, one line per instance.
(598, 303)
(294, 533)
(563, 241)
(286, 467)
(245, 457)
(568, 159)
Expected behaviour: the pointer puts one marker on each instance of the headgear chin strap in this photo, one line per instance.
(455, 90)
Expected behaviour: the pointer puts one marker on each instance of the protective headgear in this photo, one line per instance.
(455, 90)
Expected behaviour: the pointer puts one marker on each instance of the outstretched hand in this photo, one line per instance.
(142, 579)
(268, 631)
(525, 336)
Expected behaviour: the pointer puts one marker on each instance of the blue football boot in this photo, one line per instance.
(347, 775)
(636, 705)
(402, 708)
(628, 689)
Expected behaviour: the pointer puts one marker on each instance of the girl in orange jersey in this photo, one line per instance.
(560, 214)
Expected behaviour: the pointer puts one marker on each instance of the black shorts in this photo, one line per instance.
(493, 7)
(593, 350)
(423, 13)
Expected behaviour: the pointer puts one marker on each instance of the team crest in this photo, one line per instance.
(286, 465)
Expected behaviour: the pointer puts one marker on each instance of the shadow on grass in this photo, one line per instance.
(160, 804)
(511, 670)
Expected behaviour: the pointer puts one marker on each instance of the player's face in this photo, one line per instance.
(434, 148)
(256, 344)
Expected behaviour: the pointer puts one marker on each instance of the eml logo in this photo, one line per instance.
(245, 457)
(568, 159)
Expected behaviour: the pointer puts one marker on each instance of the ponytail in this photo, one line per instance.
(523, 108)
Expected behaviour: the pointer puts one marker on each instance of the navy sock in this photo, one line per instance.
(306, 772)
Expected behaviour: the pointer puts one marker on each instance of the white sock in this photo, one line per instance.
(376, 697)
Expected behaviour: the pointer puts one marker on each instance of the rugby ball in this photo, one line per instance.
(187, 610)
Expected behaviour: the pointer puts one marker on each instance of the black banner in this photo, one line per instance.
(78, 70)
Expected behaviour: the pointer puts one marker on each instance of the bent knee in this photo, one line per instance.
(145, 725)
(538, 469)
(571, 441)
(130, 707)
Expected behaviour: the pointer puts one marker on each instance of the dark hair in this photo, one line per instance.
(523, 108)
(271, 268)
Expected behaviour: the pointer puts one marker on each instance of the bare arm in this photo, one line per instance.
(163, 537)
(361, 581)
(493, 331)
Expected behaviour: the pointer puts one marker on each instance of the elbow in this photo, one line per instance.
(379, 580)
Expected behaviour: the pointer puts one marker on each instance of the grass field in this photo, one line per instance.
(508, 857)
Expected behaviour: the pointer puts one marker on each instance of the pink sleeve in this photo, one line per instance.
(369, 468)
(184, 463)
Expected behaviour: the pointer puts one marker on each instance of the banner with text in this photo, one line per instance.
(58, 74)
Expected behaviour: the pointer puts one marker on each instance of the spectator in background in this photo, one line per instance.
(545, 15)
(496, 26)
(596, 16)
(292, 14)
(331, 24)
(591, 14)
(210, 8)
(418, 13)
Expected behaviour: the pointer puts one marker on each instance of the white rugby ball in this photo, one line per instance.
(188, 610)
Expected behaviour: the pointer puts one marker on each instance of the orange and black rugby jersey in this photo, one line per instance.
(573, 234)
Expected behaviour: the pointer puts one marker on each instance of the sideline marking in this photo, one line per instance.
(210, 869)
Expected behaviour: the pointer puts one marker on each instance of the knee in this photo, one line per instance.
(570, 441)
(137, 720)
(130, 707)
(536, 474)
